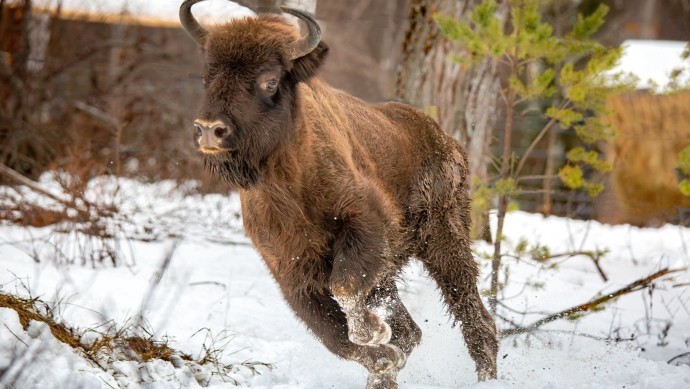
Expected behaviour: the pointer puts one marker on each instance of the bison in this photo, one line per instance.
(337, 194)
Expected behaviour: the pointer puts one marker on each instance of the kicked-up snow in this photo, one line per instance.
(185, 270)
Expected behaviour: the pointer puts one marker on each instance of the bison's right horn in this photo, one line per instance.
(190, 25)
(308, 43)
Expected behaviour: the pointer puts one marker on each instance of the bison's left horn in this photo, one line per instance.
(306, 44)
(190, 25)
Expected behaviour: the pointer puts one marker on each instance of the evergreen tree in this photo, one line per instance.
(571, 71)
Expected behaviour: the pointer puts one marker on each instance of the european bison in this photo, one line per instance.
(337, 195)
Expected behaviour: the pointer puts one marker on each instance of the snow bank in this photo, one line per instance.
(217, 294)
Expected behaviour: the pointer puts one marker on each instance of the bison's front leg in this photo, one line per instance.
(356, 271)
(363, 326)
(351, 283)
(363, 258)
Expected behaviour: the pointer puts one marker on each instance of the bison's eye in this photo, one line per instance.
(271, 86)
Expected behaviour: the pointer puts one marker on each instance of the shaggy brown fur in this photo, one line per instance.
(338, 194)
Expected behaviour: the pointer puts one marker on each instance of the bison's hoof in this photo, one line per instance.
(390, 358)
(370, 332)
(385, 380)
(486, 374)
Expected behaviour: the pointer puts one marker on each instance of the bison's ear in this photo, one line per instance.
(305, 67)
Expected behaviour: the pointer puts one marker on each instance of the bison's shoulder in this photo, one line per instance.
(427, 135)
(410, 119)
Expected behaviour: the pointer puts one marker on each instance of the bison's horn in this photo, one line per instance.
(190, 25)
(308, 43)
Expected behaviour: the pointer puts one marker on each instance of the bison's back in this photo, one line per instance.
(391, 143)
(431, 150)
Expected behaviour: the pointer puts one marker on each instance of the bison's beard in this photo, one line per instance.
(233, 168)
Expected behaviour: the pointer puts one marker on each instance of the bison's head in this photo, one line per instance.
(252, 68)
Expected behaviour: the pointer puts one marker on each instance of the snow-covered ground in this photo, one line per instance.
(216, 293)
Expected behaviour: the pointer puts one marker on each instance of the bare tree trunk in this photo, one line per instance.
(19, 63)
(502, 200)
(463, 101)
(650, 22)
(480, 118)
(2, 10)
(116, 101)
(14, 93)
(549, 170)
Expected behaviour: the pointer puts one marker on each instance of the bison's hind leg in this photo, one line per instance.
(449, 261)
(443, 245)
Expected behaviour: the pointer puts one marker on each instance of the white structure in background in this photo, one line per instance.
(650, 60)
(303, 5)
(160, 10)
(163, 10)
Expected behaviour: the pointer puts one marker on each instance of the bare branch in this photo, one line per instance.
(537, 177)
(98, 114)
(534, 143)
(15, 335)
(14, 81)
(593, 255)
(33, 185)
(590, 305)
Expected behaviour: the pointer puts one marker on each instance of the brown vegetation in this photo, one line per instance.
(133, 341)
(650, 132)
(145, 348)
(83, 94)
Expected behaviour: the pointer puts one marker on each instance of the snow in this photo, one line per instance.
(216, 293)
(650, 60)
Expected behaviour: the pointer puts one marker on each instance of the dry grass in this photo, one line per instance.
(133, 341)
(650, 132)
(145, 348)
(82, 230)
(31, 215)
(27, 311)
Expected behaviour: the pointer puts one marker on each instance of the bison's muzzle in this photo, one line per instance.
(212, 137)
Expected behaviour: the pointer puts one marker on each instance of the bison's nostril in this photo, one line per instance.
(197, 131)
(220, 132)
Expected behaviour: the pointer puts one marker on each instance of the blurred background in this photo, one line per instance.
(94, 88)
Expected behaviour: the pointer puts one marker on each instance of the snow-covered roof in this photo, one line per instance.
(650, 60)
(163, 11)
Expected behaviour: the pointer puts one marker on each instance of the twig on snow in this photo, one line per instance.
(590, 305)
